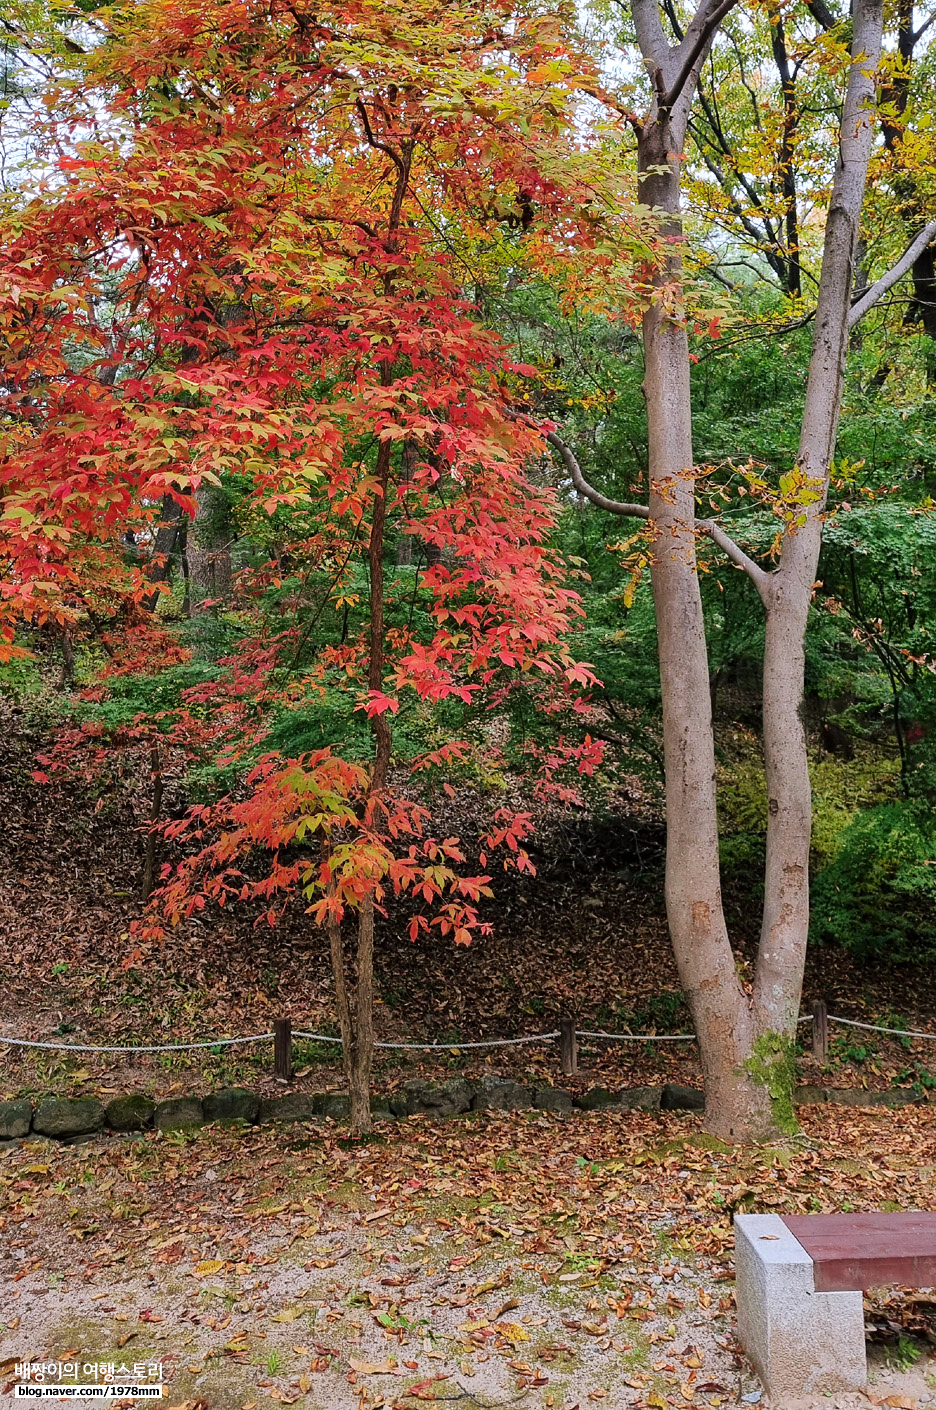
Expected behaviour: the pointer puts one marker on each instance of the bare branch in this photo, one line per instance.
(821, 14)
(887, 281)
(715, 532)
(919, 33)
(610, 506)
(377, 145)
(738, 557)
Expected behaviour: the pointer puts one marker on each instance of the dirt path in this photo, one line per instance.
(498, 1260)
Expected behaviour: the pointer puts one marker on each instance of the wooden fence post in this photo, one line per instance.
(568, 1048)
(820, 1031)
(282, 1049)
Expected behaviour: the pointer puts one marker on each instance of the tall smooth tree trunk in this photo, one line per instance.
(782, 952)
(735, 1104)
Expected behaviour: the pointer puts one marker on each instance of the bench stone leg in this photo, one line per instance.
(801, 1342)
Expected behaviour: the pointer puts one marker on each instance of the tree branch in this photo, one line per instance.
(375, 143)
(738, 557)
(821, 14)
(610, 506)
(887, 281)
(919, 33)
(694, 46)
(715, 532)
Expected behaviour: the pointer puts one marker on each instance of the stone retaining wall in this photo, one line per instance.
(67, 1118)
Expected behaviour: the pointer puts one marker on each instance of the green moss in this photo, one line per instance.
(772, 1065)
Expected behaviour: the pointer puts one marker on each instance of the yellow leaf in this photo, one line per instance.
(289, 1314)
(207, 1267)
(305, 1385)
(373, 1368)
(512, 1331)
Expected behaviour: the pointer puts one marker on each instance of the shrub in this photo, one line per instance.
(878, 895)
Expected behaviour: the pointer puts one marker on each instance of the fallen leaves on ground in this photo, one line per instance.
(593, 1252)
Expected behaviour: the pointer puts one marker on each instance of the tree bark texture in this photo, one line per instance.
(168, 529)
(354, 997)
(208, 548)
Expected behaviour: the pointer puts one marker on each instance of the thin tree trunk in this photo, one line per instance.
(404, 548)
(149, 861)
(67, 673)
(356, 998)
(164, 545)
(787, 156)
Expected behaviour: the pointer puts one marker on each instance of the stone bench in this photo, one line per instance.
(800, 1280)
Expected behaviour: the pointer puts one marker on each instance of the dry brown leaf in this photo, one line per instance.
(374, 1368)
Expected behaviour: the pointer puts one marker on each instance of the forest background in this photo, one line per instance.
(294, 590)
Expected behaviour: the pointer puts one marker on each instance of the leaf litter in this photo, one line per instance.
(520, 1259)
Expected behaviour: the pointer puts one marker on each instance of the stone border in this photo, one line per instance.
(68, 1118)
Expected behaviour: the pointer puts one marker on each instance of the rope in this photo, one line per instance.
(162, 1048)
(427, 1047)
(640, 1037)
(424, 1047)
(873, 1028)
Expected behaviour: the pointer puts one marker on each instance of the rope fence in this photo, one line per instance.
(568, 1035)
(446, 1047)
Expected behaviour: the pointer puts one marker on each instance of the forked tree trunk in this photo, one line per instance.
(745, 1041)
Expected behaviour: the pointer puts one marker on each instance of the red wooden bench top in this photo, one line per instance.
(851, 1252)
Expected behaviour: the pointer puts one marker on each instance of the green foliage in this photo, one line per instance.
(841, 789)
(19, 677)
(878, 895)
